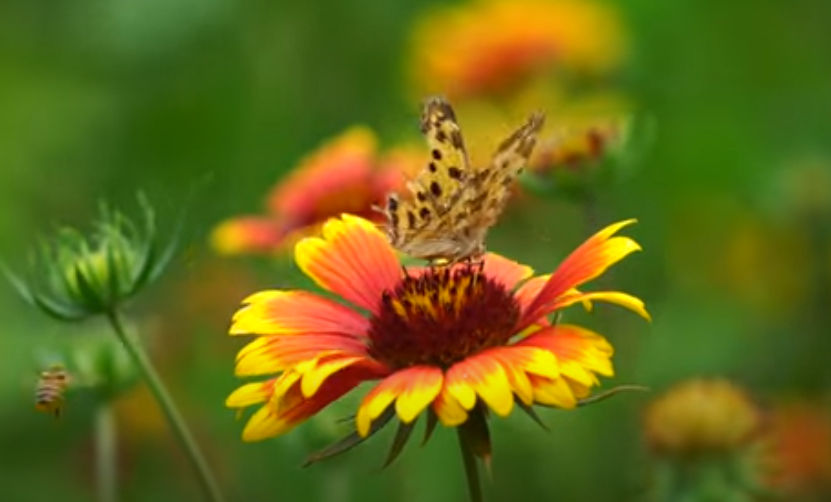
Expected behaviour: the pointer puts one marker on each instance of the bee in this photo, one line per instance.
(49, 394)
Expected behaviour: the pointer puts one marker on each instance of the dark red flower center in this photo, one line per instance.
(442, 316)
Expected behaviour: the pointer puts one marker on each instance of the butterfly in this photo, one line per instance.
(453, 204)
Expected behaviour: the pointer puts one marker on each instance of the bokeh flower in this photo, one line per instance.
(705, 435)
(578, 159)
(702, 415)
(800, 437)
(345, 175)
(587, 143)
(748, 242)
(452, 341)
(489, 46)
(571, 147)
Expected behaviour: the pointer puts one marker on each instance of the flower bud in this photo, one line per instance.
(575, 161)
(77, 276)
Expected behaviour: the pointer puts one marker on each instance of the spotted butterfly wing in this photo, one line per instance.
(492, 184)
(453, 205)
(417, 225)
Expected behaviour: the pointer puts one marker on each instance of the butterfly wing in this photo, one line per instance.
(491, 187)
(452, 205)
(417, 225)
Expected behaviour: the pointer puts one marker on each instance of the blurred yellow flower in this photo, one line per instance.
(701, 416)
(489, 46)
(345, 175)
(579, 145)
(759, 263)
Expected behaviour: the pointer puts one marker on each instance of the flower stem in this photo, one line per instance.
(105, 453)
(474, 487)
(174, 419)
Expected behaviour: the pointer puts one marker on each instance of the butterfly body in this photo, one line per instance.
(453, 204)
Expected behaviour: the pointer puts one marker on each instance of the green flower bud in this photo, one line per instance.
(76, 276)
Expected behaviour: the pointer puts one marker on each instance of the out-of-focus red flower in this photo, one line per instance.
(345, 175)
(488, 46)
(801, 447)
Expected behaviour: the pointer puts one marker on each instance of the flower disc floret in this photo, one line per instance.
(441, 316)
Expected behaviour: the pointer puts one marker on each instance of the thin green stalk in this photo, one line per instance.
(106, 466)
(174, 418)
(474, 487)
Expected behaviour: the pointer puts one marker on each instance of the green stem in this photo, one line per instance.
(174, 419)
(105, 453)
(474, 487)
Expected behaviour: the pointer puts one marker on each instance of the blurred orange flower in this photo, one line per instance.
(488, 46)
(801, 442)
(345, 175)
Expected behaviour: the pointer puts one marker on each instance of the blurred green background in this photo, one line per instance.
(99, 99)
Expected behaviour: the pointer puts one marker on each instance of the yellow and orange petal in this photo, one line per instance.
(487, 46)
(278, 312)
(278, 416)
(247, 235)
(481, 377)
(581, 353)
(316, 186)
(411, 389)
(587, 262)
(520, 363)
(286, 406)
(345, 175)
(352, 259)
(272, 354)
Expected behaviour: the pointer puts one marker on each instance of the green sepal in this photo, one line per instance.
(59, 310)
(600, 396)
(430, 426)
(20, 287)
(529, 410)
(476, 433)
(147, 256)
(113, 289)
(402, 435)
(350, 441)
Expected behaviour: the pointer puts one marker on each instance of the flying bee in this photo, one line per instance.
(49, 395)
